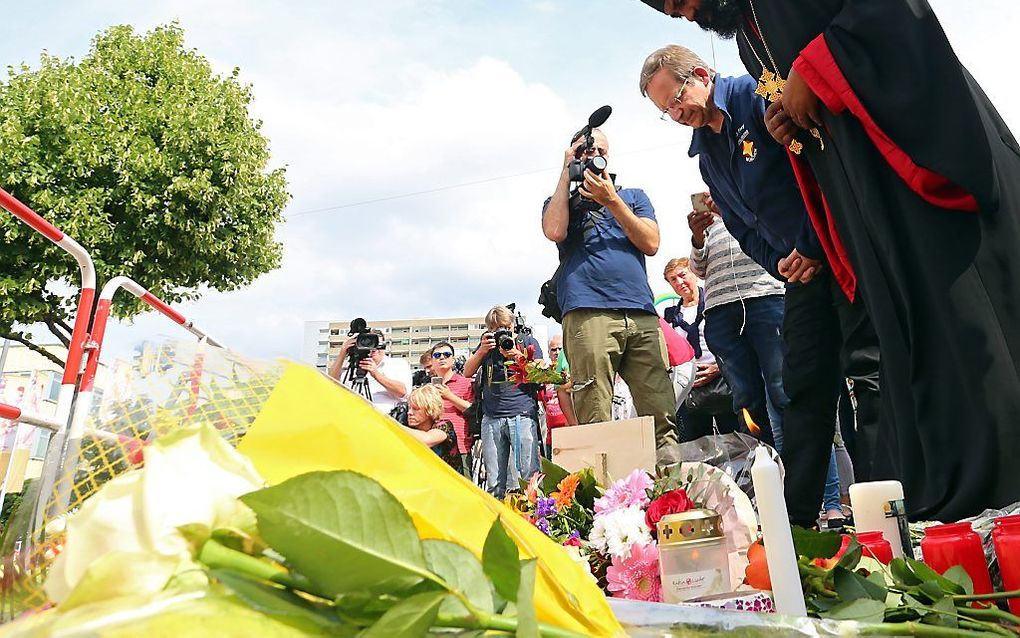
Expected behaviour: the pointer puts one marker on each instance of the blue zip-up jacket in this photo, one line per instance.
(751, 180)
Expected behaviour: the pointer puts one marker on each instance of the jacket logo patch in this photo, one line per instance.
(748, 150)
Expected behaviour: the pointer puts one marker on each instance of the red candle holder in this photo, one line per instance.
(1006, 538)
(876, 546)
(945, 546)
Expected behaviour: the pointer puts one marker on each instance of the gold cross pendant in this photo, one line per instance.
(770, 86)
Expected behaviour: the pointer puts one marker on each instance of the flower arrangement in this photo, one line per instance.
(525, 368)
(612, 530)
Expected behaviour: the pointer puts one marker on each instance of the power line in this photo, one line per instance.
(439, 189)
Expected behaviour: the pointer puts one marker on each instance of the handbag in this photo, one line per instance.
(714, 397)
(547, 297)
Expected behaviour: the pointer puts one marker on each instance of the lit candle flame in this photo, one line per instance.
(751, 425)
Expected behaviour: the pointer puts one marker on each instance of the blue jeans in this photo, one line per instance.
(747, 341)
(509, 451)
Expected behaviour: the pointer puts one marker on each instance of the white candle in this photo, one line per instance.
(878, 507)
(775, 528)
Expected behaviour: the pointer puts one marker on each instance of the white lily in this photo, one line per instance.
(190, 477)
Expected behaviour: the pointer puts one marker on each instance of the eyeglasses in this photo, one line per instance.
(664, 116)
(442, 355)
(554, 349)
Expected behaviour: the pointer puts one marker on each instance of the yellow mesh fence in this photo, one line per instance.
(168, 386)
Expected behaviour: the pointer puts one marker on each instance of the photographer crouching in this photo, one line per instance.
(610, 325)
(510, 439)
(362, 366)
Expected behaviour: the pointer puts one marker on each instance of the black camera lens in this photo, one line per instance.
(506, 343)
(598, 163)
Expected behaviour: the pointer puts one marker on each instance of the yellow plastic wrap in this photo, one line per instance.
(309, 423)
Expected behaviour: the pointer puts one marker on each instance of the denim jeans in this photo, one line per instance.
(747, 341)
(509, 451)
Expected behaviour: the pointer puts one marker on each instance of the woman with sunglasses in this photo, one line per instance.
(458, 393)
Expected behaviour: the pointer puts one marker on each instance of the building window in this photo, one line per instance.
(334, 331)
(41, 442)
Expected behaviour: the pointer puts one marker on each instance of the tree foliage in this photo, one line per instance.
(148, 159)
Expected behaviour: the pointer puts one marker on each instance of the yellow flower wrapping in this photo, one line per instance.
(310, 423)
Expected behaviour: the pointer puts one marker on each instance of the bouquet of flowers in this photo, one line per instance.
(524, 368)
(612, 531)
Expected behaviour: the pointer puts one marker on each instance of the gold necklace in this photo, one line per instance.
(771, 84)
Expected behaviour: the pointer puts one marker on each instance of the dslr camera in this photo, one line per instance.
(507, 338)
(597, 164)
(365, 342)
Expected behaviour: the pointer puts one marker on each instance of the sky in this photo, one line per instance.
(421, 137)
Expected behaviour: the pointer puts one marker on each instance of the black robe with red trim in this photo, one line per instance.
(918, 194)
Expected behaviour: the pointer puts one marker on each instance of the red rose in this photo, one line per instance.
(669, 503)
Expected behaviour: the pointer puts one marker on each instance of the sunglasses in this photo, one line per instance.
(442, 355)
(555, 349)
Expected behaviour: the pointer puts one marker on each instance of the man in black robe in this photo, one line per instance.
(913, 182)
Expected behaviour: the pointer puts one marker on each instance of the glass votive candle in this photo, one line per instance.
(945, 546)
(1006, 538)
(693, 560)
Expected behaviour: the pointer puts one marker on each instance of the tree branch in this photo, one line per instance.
(20, 338)
(51, 323)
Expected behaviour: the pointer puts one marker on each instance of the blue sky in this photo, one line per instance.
(370, 100)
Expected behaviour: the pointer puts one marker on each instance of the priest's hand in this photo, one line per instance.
(779, 124)
(800, 102)
(797, 268)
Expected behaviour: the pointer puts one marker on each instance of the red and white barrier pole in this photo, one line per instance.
(95, 347)
(79, 334)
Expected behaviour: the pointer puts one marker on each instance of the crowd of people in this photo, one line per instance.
(833, 301)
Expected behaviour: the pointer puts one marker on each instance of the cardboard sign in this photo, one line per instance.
(613, 449)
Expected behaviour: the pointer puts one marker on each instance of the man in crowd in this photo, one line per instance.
(458, 393)
(510, 438)
(754, 188)
(609, 321)
(389, 378)
(915, 185)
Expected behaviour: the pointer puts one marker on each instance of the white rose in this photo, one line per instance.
(190, 477)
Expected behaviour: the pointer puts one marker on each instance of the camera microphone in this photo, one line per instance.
(599, 117)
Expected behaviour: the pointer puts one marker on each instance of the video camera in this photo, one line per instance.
(507, 338)
(597, 164)
(365, 342)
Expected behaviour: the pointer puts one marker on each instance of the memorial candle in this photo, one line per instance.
(775, 528)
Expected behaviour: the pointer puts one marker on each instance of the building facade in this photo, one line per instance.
(405, 338)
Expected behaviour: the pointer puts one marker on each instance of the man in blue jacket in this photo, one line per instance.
(752, 183)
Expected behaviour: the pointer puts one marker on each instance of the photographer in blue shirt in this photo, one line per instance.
(609, 321)
(827, 337)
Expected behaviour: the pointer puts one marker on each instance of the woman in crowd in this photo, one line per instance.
(457, 392)
(425, 423)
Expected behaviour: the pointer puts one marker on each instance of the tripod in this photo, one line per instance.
(355, 378)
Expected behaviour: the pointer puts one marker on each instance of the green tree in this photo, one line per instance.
(147, 158)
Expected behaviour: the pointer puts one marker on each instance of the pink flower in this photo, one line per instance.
(637, 576)
(628, 492)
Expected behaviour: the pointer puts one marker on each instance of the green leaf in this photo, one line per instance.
(903, 574)
(851, 586)
(926, 573)
(462, 572)
(853, 554)
(946, 616)
(861, 610)
(409, 618)
(501, 562)
(813, 544)
(587, 489)
(553, 475)
(342, 531)
(275, 601)
(527, 620)
(931, 590)
(959, 575)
